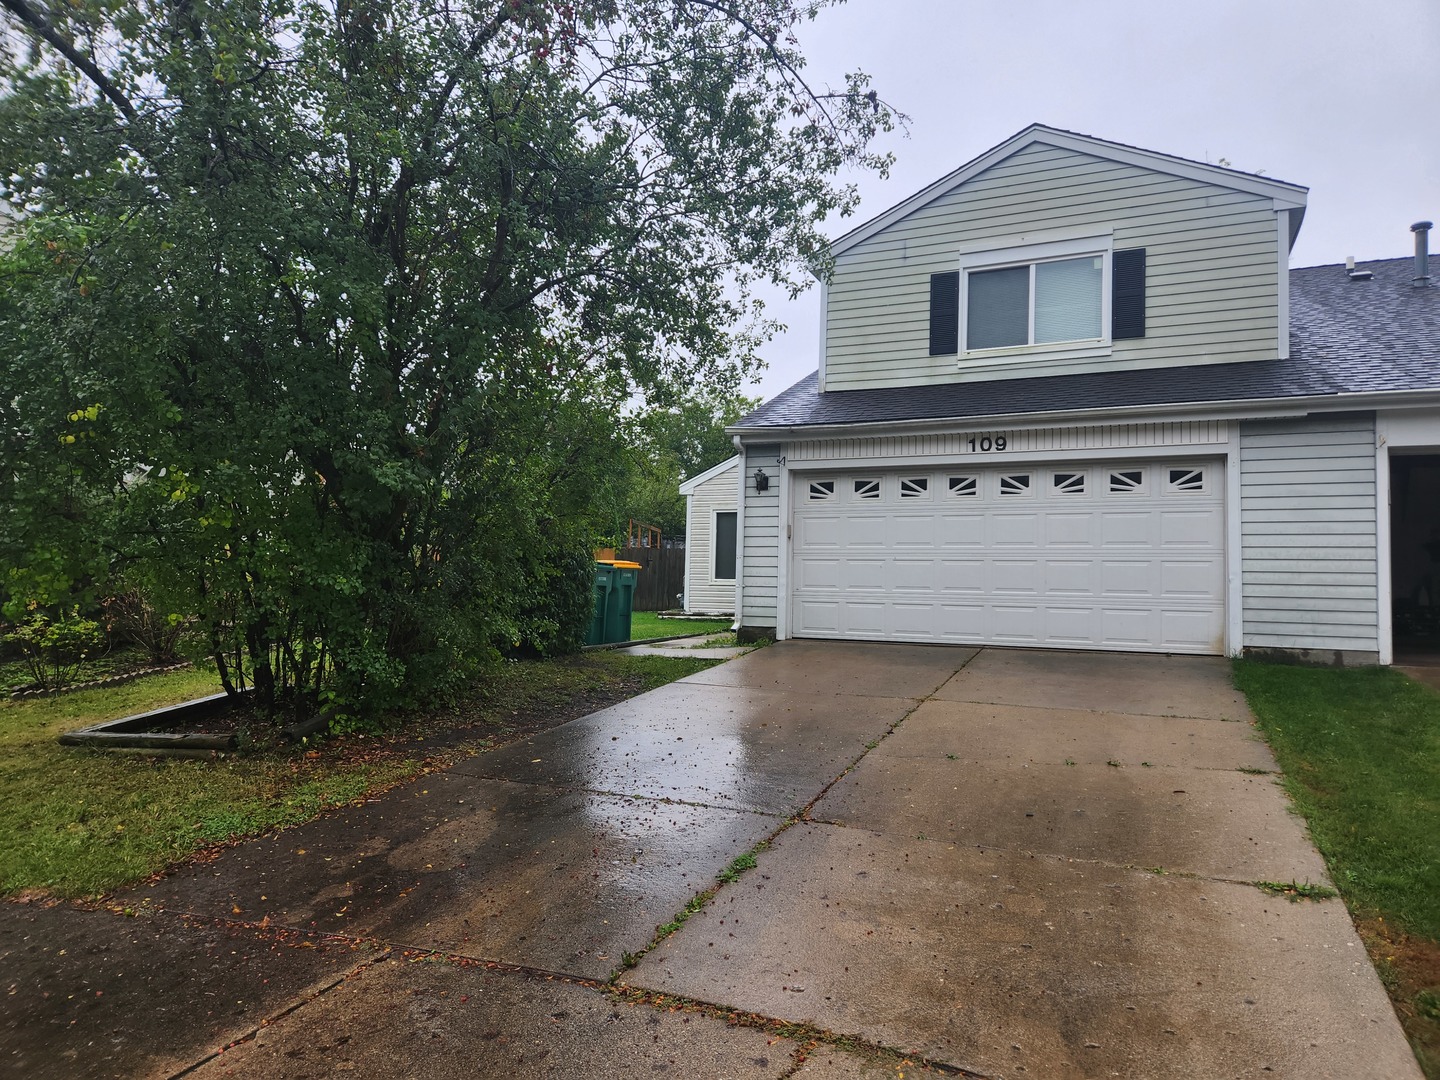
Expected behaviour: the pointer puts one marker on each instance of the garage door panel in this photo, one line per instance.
(865, 575)
(1015, 624)
(1126, 626)
(1017, 576)
(1192, 630)
(1127, 528)
(962, 622)
(1070, 529)
(813, 573)
(1186, 528)
(865, 532)
(1070, 577)
(1123, 558)
(962, 530)
(1129, 577)
(865, 618)
(913, 575)
(913, 532)
(1012, 530)
(913, 621)
(820, 533)
(961, 576)
(819, 616)
(1071, 625)
(1190, 579)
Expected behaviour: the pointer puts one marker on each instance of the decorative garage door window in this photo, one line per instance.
(1064, 554)
(1014, 483)
(1127, 481)
(1187, 479)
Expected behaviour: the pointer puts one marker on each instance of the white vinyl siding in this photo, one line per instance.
(719, 493)
(1307, 524)
(1212, 286)
(760, 539)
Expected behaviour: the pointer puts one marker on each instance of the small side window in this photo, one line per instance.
(725, 545)
(867, 489)
(820, 490)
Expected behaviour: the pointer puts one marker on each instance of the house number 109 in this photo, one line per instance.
(985, 443)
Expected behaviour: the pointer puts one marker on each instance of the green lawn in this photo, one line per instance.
(80, 822)
(1360, 749)
(645, 625)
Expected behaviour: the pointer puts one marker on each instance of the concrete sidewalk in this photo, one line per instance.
(1011, 864)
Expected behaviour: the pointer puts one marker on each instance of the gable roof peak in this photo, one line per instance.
(1285, 194)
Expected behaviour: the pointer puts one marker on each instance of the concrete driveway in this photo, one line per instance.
(1006, 863)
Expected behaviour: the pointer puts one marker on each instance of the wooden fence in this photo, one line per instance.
(662, 579)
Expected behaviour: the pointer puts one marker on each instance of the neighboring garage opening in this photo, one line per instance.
(1415, 553)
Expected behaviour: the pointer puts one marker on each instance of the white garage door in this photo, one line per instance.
(1088, 556)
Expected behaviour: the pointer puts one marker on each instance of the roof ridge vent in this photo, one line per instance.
(1421, 229)
(1356, 275)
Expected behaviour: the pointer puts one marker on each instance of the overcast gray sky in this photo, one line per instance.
(1338, 95)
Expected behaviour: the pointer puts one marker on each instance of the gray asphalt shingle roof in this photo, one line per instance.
(1345, 337)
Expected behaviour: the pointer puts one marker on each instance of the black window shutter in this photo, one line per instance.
(945, 313)
(1127, 298)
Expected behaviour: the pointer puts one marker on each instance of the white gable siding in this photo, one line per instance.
(1212, 275)
(702, 591)
(760, 539)
(1307, 523)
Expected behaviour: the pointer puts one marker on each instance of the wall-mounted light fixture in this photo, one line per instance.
(762, 482)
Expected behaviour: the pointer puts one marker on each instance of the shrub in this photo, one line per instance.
(56, 650)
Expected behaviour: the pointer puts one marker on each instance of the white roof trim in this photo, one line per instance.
(1286, 196)
(688, 487)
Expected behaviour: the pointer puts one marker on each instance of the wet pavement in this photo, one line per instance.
(1005, 863)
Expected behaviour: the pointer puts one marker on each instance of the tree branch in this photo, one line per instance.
(41, 26)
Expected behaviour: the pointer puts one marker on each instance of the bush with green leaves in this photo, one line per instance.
(55, 650)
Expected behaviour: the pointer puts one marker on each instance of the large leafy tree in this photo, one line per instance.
(324, 313)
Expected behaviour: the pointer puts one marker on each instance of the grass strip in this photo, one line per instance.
(645, 625)
(1360, 750)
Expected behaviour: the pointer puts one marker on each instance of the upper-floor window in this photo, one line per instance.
(1059, 297)
(1040, 295)
(1036, 303)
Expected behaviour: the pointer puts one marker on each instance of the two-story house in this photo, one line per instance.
(1072, 396)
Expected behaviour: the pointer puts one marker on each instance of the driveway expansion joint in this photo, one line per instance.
(795, 1031)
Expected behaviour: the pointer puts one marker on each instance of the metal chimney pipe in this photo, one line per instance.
(1421, 229)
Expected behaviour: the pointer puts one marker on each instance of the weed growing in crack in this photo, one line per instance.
(732, 872)
(1295, 892)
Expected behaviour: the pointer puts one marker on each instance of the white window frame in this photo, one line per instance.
(1028, 255)
(715, 546)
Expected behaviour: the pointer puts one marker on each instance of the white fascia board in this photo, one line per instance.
(688, 487)
(1286, 195)
(1244, 409)
(824, 327)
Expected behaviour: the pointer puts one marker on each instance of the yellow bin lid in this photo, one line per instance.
(627, 565)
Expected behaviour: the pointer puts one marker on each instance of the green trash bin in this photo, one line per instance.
(622, 601)
(604, 588)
